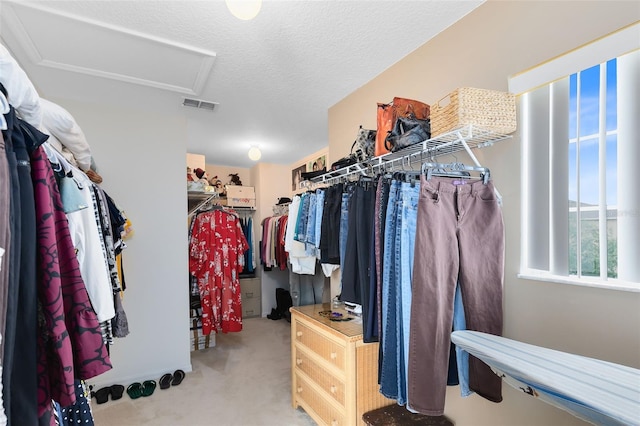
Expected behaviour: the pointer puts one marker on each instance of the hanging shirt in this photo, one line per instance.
(90, 249)
(301, 263)
(216, 258)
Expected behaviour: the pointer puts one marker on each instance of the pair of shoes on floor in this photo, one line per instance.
(174, 379)
(146, 388)
(102, 395)
(275, 314)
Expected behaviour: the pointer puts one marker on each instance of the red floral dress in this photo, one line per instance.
(216, 258)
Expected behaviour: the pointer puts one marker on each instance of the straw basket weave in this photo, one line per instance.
(487, 109)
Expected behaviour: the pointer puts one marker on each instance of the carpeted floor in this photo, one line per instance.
(245, 380)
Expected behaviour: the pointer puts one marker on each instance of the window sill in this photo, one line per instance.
(584, 281)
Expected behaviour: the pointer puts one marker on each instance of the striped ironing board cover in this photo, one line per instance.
(599, 392)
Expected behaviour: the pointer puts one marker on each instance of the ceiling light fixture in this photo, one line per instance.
(244, 9)
(254, 153)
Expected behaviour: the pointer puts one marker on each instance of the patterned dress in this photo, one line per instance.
(216, 258)
(70, 343)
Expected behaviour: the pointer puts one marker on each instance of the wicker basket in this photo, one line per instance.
(487, 109)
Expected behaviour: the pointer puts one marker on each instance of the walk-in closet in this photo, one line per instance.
(258, 212)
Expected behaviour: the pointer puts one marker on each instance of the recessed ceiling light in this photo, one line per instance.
(244, 9)
(254, 153)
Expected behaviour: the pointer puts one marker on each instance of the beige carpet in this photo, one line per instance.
(244, 380)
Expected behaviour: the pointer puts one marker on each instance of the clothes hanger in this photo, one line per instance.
(4, 109)
(456, 169)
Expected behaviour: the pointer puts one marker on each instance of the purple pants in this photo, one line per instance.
(460, 237)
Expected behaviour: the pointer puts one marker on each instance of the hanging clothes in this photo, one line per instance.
(409, 257)
(301, 261)
(216, 258)
(459, 239)
(273, 252)
(73, 345)
(51, 335)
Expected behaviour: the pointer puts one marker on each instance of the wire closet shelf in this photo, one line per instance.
(464, 138)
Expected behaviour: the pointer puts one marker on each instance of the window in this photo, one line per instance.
(580, 152)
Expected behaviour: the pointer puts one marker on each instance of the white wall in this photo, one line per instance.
(223, 173)
(142, 160)
(496, 40)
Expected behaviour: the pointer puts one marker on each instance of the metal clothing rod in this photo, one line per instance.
(464, 138)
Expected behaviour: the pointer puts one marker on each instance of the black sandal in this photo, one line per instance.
(102, 395)
(116, 392)
(165, 381)
(178, 376)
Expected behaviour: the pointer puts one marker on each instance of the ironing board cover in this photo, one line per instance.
(600, 392)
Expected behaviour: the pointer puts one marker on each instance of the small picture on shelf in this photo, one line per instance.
(296, 176)
(317, 164)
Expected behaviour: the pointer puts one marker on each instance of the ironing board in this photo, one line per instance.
(599, 392)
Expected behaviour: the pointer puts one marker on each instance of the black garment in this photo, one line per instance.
(78, 413)
(382, 213)
(9, 315)
(370, 314)
(330, 230)
(23, 378)
(356, 270)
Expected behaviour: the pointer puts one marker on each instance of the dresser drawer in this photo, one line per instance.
(330, 384)
(315, 401)
(251, 288)
(251, 307)
(328, 349)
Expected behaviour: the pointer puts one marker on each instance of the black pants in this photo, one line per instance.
(357, 268)
(24, 379)
(19, 375)
(11, 291)
(330, 230)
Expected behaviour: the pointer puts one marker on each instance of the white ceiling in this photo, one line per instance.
(273, 77)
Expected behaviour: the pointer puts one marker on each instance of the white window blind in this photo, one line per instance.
(580, 133)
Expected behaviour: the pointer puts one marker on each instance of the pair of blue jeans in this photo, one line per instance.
(344, 222)
(303, 219)
(388, 366)
(462, 356)
(319, 213)
(310, 233)
(407, 214)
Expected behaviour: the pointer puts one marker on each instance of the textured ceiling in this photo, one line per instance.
(274, 77)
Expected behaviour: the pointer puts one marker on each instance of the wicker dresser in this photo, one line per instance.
(334, 375)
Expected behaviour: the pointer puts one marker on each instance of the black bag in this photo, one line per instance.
(344, 162)
(311, 175)
(406, 132)
(362, 149)
(365, 144)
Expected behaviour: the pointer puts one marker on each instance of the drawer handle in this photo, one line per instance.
(333, 389)
(334, 355)
(299, 333)
(249, 294)
(299, 389)
(249, 311)
(298, 361)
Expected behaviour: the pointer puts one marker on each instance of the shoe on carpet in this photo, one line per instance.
(134, 390)
(116, 392)
(102, 395)
(165, 381)
(148, 386)
(275, 314)
(178, 377)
